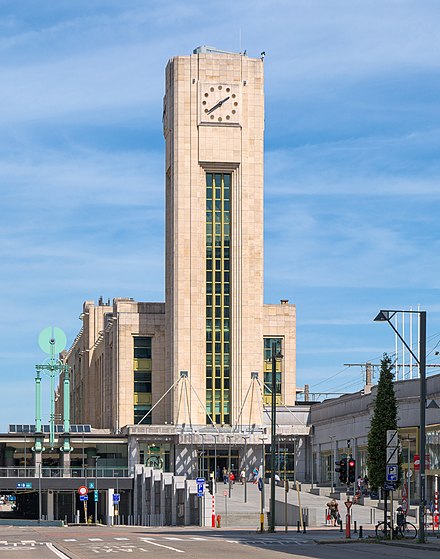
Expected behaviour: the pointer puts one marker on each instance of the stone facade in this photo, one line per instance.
(213, 127)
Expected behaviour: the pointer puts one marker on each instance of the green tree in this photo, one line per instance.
(384, 418)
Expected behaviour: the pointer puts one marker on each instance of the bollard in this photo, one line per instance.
(297, 526)
(219, 520)
(340, 526)
(304, 530)
(355, 527)
(361, 535)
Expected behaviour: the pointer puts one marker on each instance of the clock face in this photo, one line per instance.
(220, 103)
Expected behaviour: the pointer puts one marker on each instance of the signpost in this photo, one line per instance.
(82, 490)
(392, 475)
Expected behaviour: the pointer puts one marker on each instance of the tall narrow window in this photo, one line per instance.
(218, 291)
(268, 369)
(142, 370)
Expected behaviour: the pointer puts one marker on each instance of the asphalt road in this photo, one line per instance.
(139, 542)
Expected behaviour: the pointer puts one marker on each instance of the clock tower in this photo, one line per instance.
(213, 123)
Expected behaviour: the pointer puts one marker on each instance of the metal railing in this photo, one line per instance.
(56, 471)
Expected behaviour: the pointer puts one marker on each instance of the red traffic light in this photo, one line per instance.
(351, 463)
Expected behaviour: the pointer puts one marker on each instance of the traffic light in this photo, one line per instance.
(351, 470)
(342, 470)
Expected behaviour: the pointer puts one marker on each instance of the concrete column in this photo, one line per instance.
(50, 515)
(318, 464)
(110, 512)
(38, 463)
(65, 463)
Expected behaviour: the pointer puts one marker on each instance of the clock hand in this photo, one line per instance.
(217, 105)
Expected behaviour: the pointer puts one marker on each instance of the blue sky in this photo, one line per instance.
(351, 177)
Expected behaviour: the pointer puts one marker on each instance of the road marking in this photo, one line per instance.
(174, 539)
(146, 540)
(200, 539)
(95, 539)
(27, 541)
(232, 541)
(71, 540)
(57, 551)
(122, 539)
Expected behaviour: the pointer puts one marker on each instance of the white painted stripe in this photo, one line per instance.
(95, 539)
(232, 541)
(200, 539)
(28, 541)
(173, 539)
(71, 540)
(57, 551)
(146, 540)
(122, 539)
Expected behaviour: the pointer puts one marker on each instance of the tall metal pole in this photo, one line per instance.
(273, 439)
(215, 463)
(229, 466)
(244, 468)
(96, 489)
(422, 438)
(40, 504)
(332, 467)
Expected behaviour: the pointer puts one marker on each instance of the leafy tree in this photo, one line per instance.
(384, 418)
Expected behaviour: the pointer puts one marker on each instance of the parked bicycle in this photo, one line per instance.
(404, 529)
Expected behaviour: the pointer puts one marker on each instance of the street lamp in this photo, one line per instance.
(96, 488)
(275, 355)
(386, 316)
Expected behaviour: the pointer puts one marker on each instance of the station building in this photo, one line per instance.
(195, 371)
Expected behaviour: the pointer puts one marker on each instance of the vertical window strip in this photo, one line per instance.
(218, 284)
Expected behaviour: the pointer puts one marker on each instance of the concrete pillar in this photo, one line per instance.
(318, 464)
(50, 515)
(38, 463)
(110, 512)
(65, 464)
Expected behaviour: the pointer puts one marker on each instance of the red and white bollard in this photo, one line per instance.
(213, 511)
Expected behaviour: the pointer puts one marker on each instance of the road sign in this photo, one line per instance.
(82, 490)
(200, 480)
(91, 485)
(392, 455)
(96, 496)
(392, 472)
(200, 489)
(24, 485)
(392, 438)
(389, 486)
(116, 497)
(83, 498)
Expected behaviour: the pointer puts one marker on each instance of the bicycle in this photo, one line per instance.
(404, 529)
